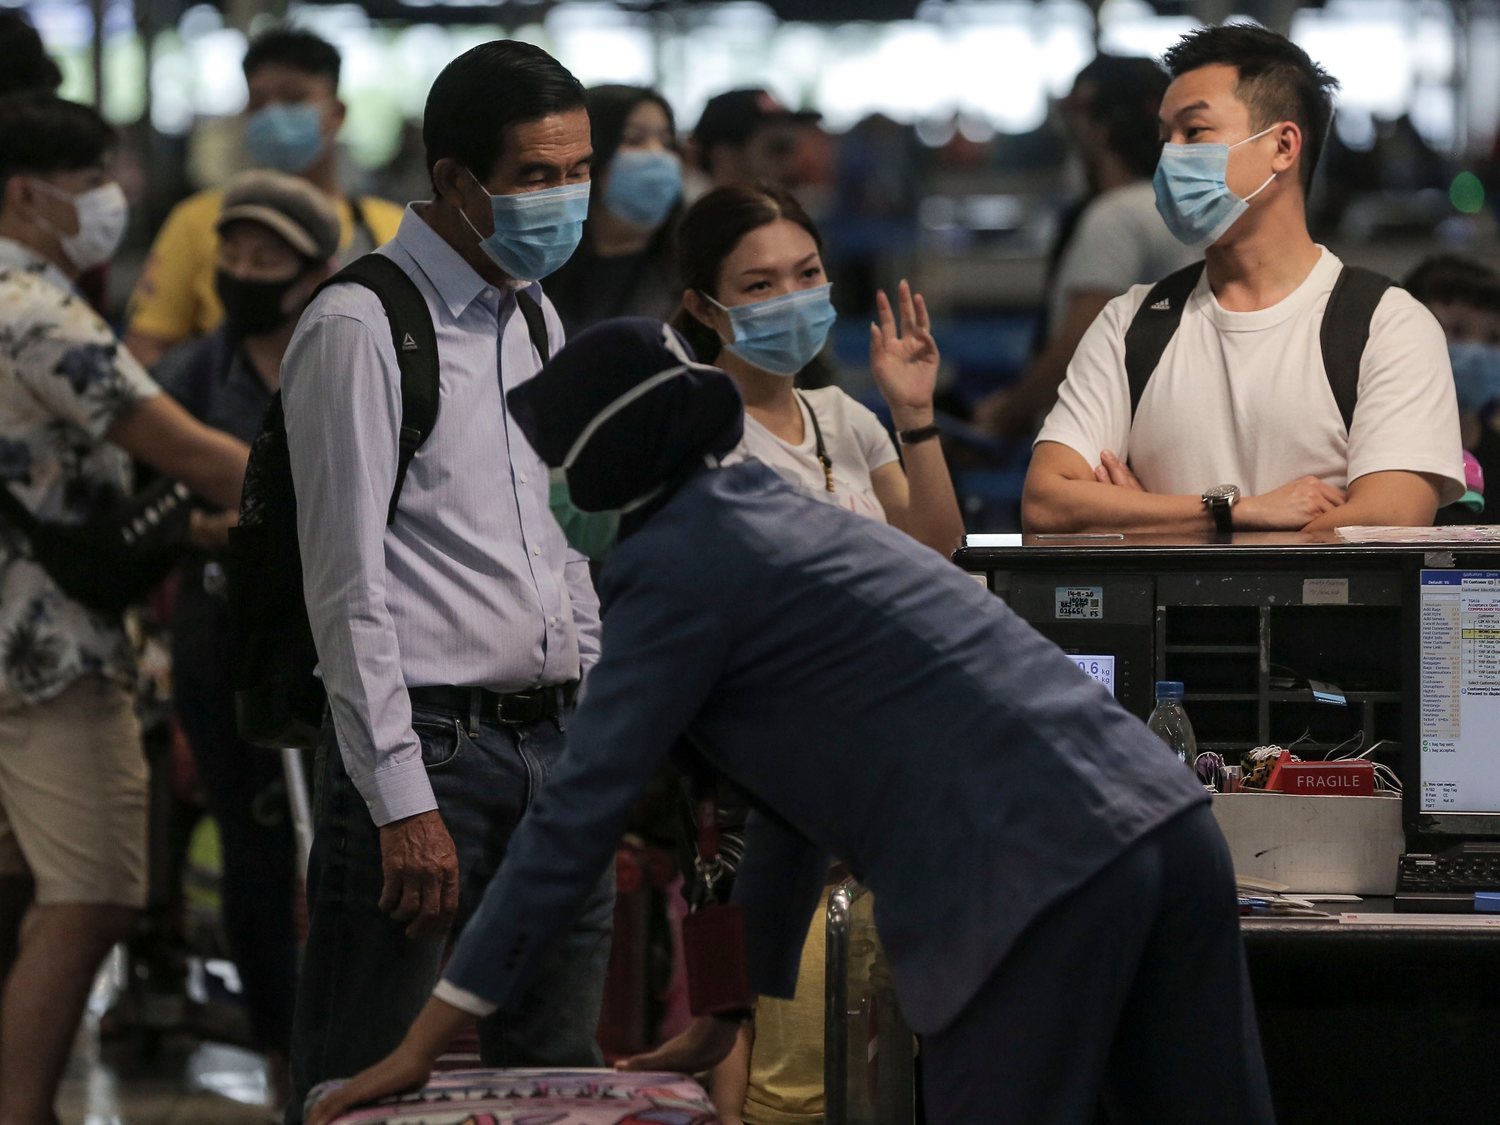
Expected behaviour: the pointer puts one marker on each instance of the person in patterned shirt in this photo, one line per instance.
(74, 409)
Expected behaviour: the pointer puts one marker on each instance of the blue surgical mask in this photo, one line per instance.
(288, 138)
(1476, 375)
(535, 231)
(1192, 196)
(643, 186)
(782, 334)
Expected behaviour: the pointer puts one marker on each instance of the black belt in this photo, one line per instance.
(516, 709)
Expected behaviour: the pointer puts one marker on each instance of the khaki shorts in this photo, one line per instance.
(73, 795)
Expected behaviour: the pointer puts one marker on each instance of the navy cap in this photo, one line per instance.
(625, 407)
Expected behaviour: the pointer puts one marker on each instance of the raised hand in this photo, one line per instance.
(905, 361)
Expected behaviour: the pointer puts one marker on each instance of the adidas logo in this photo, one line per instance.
(1164, 305)
(408, 344)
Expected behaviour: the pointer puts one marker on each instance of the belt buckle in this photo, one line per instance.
(508, 708)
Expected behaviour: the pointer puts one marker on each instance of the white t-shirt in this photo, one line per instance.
(1120, 241)
(1242, 397)
(856, 442)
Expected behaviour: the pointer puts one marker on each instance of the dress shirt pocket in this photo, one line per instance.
(443, 738)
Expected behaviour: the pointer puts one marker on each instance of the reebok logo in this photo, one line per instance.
(1163, 305)
(408, 344)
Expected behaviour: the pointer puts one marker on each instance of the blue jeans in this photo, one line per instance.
(364, 981)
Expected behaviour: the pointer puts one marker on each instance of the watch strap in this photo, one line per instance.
(1221, 508)
(921, 434)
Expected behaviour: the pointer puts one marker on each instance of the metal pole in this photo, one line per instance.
(296, 792)
(96, 9)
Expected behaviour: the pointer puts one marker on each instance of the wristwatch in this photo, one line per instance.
(918, 435)
(1220, 501)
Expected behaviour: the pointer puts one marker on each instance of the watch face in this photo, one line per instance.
(1229, 492)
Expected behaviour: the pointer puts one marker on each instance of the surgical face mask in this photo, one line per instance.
(535, 231)
(1192, 196)
(594, 533)
(591, 534)
(102, 216)
(286, 137)
(643, 186)
(253, 308)
(1476, 375)
(782, 334)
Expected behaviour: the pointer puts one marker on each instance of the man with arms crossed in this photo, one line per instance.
(1237, 428)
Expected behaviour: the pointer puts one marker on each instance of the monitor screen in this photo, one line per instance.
(1101, 668)
(1458, 678)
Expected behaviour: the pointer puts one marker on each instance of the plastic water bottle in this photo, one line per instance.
(1169, 722)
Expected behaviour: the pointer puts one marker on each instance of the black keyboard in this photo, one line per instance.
(1445, 882)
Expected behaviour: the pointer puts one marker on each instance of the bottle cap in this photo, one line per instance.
(1169, 689)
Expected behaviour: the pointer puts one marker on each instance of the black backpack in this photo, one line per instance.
(1346, 330)
(279, 701)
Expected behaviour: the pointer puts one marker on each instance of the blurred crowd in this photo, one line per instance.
(732, 227)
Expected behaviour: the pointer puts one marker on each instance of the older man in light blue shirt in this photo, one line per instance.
(451, 639)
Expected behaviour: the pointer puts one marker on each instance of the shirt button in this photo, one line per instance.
(523, 480)
(488, 294)
(536, 551)
(552, 621)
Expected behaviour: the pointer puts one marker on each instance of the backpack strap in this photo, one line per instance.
(415, 341)
(1154, 325)
(536, 324)
(1346, 330)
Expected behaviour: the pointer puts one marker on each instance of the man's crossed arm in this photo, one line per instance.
(1064, 493)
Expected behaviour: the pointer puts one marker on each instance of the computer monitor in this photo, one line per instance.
(1452, 738)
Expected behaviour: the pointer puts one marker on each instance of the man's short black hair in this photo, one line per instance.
(296, 49)
(41, 134)
(485, 91)
(1277, 80)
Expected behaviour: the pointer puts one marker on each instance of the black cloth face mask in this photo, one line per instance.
(253, 308)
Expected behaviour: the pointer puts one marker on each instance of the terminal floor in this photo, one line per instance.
(181, 1082)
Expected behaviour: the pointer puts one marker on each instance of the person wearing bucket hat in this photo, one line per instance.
(876, 705)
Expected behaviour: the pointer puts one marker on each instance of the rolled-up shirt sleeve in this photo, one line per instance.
(341, 392)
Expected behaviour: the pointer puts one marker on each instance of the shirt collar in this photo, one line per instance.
(16, 256)
(456, 282)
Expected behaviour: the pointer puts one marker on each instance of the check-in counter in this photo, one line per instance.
(1309, 642)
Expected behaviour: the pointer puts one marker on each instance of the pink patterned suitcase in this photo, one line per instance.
(541, 1097)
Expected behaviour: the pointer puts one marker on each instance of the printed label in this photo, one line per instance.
(1325, 591)
(1080, 603)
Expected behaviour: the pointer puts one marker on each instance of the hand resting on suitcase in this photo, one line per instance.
(406, 1068)
(706, 1043)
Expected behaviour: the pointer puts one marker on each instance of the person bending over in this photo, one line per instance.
(1056, 902)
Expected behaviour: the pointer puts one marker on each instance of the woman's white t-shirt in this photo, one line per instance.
(856, 442)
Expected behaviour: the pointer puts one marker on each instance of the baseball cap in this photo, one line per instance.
(730, 118)
(289, 206)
